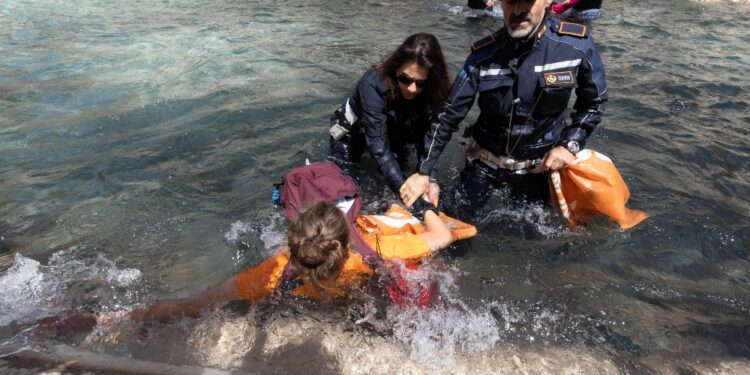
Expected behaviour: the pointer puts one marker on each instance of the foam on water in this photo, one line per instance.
(271, 233)
(435, 334)
(543, 218)
(47, 290)
(465, 11)
(23, 281)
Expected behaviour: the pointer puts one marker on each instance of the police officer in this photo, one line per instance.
(524, 74)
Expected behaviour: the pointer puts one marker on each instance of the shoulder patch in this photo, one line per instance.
(573, 29)
(484, 42)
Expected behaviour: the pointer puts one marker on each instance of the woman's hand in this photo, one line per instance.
(557, 158)
(414, 187)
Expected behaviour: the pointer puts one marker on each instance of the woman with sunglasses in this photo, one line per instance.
(391, 108)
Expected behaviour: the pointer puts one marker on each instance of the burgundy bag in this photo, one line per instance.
(324, 181)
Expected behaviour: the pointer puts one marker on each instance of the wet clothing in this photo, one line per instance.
(386, 128)
(477, 4)
(261, 281)
(478, 180)
(524, 87)
(394, 235)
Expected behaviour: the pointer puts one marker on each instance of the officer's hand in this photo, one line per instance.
(433, 193)
(557, 158)
(490, 4)
(413, 188)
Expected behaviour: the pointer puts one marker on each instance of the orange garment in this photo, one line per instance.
(395, 233)
(592, 185)
(256, 283)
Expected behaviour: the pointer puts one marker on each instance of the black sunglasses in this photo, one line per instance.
(406, 81)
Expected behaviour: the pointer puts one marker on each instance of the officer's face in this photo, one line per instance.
(523, 16)
(411, 78)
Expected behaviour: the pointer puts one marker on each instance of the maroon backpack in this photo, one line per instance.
(323, 181)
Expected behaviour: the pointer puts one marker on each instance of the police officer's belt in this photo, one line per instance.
(473, 151)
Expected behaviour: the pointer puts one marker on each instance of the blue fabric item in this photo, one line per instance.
(523, 89)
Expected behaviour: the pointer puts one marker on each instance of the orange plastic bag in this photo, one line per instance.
(592, 185)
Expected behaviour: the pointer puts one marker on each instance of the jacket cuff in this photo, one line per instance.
(575, 134)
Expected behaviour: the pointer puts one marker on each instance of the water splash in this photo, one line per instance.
(69, 280)
(537, 215)
(462, 10)
(23, 281)
(272, 233)
(435, 334)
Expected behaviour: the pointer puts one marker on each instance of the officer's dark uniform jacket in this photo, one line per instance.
(525, 86)
(387, 126)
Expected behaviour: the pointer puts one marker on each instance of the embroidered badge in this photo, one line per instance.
(573, 29)
(559, 78)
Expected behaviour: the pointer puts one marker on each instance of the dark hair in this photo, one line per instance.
(319, 243)
(423, 49)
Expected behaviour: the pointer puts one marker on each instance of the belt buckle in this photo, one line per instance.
(509, 163)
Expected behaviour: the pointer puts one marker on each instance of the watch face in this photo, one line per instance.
(573, 146)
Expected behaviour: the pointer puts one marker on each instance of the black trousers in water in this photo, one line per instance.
(478, 180)
(347, 152)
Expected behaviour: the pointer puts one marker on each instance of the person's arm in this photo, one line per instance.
(436, 234)
(252, 284)
(163, 311)
(375, 125)
(460, 101)
(591, 97)
(591, 101)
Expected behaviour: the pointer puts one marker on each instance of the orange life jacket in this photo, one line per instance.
(394, 234)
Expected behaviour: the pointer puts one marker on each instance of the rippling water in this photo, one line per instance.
(139, 141)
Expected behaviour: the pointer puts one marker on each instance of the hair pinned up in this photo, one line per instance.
(319, 243)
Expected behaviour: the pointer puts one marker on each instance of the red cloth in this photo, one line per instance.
(562, 7)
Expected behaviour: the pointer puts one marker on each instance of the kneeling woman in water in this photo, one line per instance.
(319, 261)
(391, 107)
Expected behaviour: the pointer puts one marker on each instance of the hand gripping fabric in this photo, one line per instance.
(324, 181)
(591, 185)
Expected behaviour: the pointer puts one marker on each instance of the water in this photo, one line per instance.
(139, 142)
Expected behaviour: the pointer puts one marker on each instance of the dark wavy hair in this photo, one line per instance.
(319, 243)
(424, 49)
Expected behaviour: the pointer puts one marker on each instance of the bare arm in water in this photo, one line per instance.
(163, 311)
(436, 233)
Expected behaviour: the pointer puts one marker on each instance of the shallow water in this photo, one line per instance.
(139, 143)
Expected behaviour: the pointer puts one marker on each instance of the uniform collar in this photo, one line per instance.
(533, 39)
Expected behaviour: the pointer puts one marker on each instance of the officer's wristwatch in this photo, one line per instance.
(573, 147)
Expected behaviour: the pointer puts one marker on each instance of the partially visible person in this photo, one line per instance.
(391, 108)
(481, 4)
(524, 75)
(319, 261)
(579, 10)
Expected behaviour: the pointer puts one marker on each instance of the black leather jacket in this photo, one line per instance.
(387, 126)
(524, 88)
